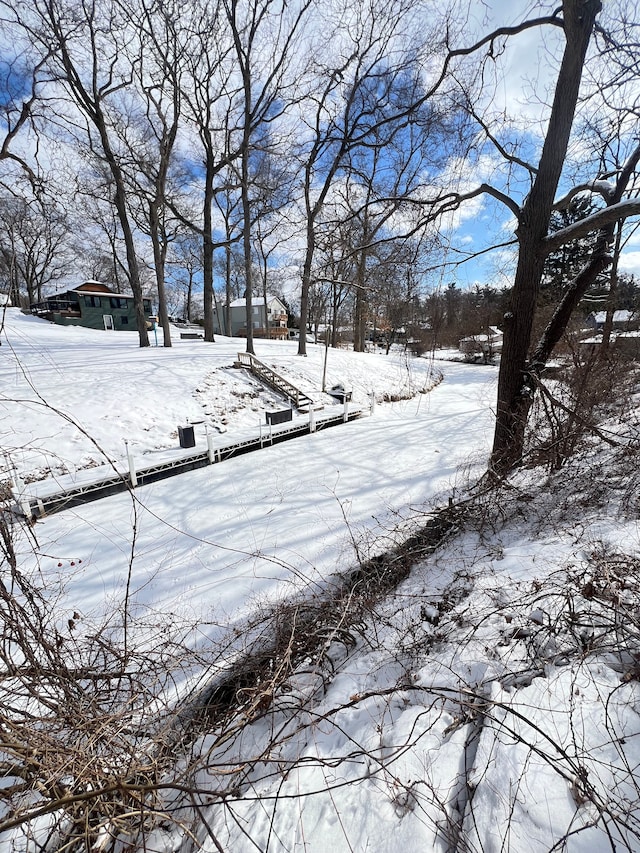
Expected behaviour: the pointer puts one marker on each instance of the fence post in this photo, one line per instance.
(211, 453)
(132, 466)
(372, 406)
(17, 486)
(345, 416)
(312, 419)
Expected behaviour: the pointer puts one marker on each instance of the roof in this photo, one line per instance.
(492, 338)
(256, 300)
(93, 287)
(90, 287)
(620, 316)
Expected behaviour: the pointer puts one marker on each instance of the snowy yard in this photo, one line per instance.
(489, 703)
(217, 540)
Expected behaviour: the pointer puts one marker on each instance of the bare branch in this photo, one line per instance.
(598, 220)
(452, 201)
(603, 188)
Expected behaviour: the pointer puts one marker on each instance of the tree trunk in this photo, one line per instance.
(187, 307)
(561, 316)
(306, 286)
(227, 283)
(264, 297)
(159, 263)
(359, 320)
(207, 249)
(132, 260)
(515, 385)
(246, 239)
(334, 322)
(611, 298)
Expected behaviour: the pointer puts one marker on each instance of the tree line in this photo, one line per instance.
(325, 150)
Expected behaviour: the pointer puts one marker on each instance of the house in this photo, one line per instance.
(274, 318)
(92, 305)
(623, 320)
(484, 345)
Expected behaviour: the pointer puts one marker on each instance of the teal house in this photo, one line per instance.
(92, 305)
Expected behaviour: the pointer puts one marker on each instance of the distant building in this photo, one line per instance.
(274, 318)
(624, 320)
(482, 345)
(92, 305)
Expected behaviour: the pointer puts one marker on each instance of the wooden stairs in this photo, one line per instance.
(268, 375)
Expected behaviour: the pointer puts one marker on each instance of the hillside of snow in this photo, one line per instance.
(476, 691)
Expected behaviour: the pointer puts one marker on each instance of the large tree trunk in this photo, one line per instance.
(515, 385)
(132, 259)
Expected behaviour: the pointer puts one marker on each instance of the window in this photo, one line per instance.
(92, 301)
(147, 305)
(124, 321)
(118, 302)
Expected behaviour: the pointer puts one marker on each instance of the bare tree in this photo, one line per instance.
(33, 244)
(82, 46)
(382, 174)
(186, 256)
(517, 380)
(335, 272)
(228, 203)
(267, 86)
(86, 46)
(533, 224)
(150, 134)
(362, 99)
(207, 91)
(21, 82)
(96, 225)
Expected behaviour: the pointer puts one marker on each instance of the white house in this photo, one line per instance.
(622, 319)
(271, 323)
(485, 345)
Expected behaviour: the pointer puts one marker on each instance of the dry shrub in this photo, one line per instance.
(573, 399)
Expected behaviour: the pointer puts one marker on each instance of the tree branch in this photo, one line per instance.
(510, 158)
(599, 219)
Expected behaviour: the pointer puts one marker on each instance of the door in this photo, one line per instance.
(107, 319)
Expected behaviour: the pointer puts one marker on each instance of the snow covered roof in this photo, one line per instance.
(256, 300)
(621, 316)
(496, 334)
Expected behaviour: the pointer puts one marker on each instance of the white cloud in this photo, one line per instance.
(630, 263)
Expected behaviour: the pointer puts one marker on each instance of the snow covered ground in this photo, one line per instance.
(217, 540)
(490, 703)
